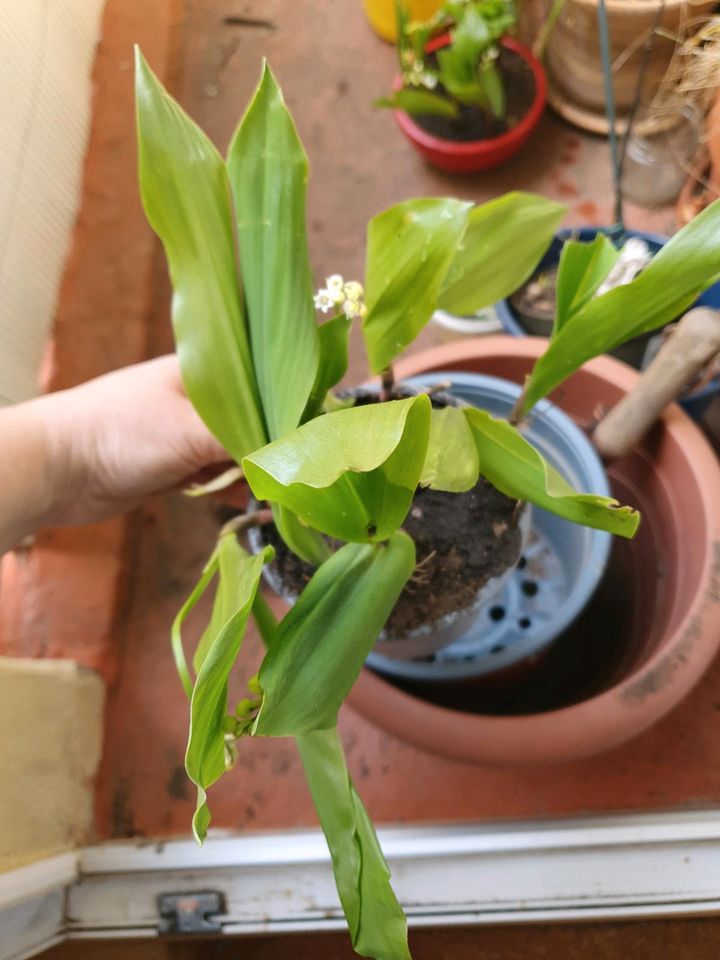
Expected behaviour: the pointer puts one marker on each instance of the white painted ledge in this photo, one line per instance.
(600, 868)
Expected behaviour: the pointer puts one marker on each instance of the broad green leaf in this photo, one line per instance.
(205, 759)
(186, 196)
(409, 249)
(350, 474)
(515, 467)
(688, 264)
(304, 542)
(268, 172)
(451, 462)
(459, 61)
(332, 367)
(211, 568)
(415, 101)
(375, 919)
(504, 242)
(231, 559)
(376, 922)
(322, 642)
(582, 268)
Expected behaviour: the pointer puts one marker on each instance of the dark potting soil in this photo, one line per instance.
(476, 124)
(461, 539)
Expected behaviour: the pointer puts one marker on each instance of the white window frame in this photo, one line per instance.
(602, 868)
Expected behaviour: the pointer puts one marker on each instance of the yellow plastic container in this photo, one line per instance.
(381, 14)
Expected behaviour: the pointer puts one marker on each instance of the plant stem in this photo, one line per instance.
(257, 518)
(387, 384)
(516, 414)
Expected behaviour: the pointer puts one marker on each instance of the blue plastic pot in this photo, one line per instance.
(694, 404)
(562, 564)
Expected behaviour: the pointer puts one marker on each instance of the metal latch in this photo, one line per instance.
(190, 912)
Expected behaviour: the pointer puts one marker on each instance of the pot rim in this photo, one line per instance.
(631, 705)
(490, 145)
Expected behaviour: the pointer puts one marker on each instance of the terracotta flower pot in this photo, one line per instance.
(667, 588)
(472, 155)
(575, 77)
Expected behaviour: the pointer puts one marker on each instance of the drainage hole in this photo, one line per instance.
(529, 588)
(524, 622)
(522, 563)
(498, 648)
(497, 613)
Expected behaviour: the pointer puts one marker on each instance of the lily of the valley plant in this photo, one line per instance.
(463, 72)
(259, 370)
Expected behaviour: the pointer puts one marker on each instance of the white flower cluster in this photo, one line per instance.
(338, 294)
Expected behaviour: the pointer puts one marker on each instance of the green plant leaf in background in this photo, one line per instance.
(186, 196)
(376, 922)
(688, 264)
(582, 268)
(504, 242)
(451, 462)
(409, 249)
(205, 759)
(518, 470)
(268, 173)
(415, 101)
(322, 642)
(350, 474)
(332, 367)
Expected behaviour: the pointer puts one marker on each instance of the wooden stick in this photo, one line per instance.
(689, 348)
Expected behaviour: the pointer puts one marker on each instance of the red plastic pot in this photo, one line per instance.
(472, 155)
(669, 581)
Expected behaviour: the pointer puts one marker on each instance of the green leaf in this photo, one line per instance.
(410, 247)
(504, 241)
(350, 474)
(205, 759)
(515, 467)
(322, 642)
(332, 367)
(583, 267)
(211, 568)
(186, 196)
(415, 101)
(376, 922)
(493, 89)
(268, 172)
(451, 462)
(304, 542)
(688, 264)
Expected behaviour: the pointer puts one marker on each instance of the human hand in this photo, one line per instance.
(113, 441)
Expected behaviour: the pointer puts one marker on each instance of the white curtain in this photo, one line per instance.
(47, 48)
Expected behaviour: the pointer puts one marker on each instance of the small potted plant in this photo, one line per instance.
(468, 96)
(339, 474)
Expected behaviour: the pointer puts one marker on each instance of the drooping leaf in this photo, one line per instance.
(268, 173)
(350, 474)
(415, 101)
(332, 367)
(504, 242)
(582, 268)
(377, 924)
(304, 542)
(518, 470)
(322, 642)
(375, 919)
(688, 264)
(209, 571)
(451, 462)
(205, 759)
(186, 196)
(409, 249)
